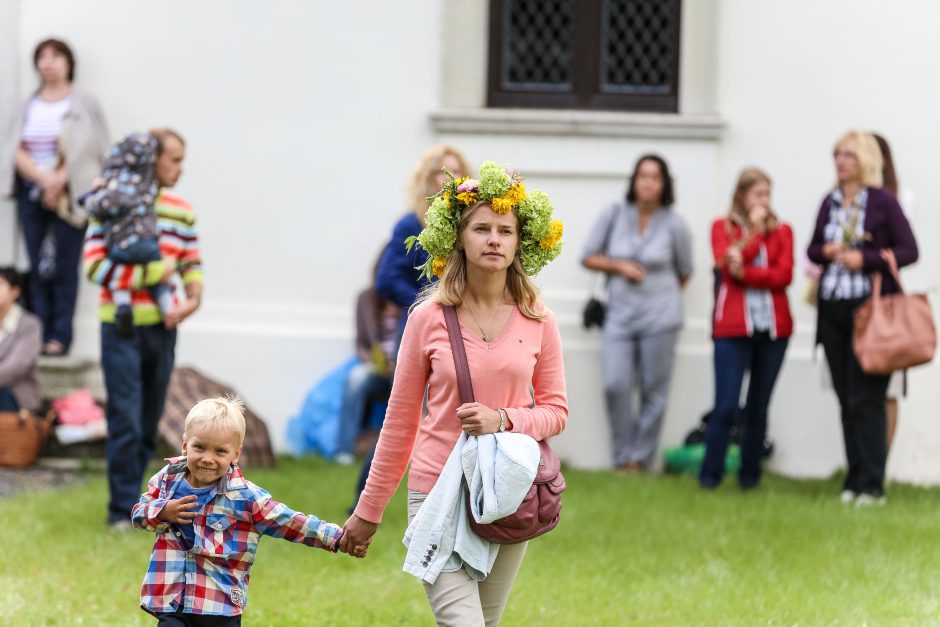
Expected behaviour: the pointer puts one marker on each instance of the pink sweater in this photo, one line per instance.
(526, 352)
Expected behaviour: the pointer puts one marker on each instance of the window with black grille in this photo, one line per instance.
(585, 54)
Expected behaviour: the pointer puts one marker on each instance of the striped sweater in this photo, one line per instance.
(179, 244)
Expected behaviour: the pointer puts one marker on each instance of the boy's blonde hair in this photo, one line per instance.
(226, 413)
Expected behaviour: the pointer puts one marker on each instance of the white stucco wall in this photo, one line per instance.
(303, 120)
(9, 68)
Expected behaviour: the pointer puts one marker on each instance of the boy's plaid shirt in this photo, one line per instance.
(212, 576)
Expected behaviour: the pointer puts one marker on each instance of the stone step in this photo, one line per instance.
(60, 375)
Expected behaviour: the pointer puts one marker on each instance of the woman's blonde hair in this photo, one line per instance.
(450, 289)
(223, 413)
(422, 183)
(868, 154)
(738, 214)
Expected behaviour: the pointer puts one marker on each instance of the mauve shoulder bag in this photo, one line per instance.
(540, 510)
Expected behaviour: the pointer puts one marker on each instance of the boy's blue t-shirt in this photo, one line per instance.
(203, 495)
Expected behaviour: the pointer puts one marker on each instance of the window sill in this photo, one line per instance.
(699, 126)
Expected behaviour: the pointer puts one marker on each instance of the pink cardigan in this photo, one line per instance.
(526, 352)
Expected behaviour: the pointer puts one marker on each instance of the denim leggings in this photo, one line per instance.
(51, 296)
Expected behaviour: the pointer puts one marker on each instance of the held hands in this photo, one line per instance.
(851, 258)
(179, 511)
(734, 262)
(50, 198)
(53, 186)
(357, 536)
(478, 419)
(832, 251)
(632, 271)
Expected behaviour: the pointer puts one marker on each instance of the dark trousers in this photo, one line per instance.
(762, 356)
(136, 374)
(7, 401)
(197, 620)
(861, 399)
(52, 298)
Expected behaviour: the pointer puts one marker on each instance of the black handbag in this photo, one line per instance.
(595, 310)
(594, 313)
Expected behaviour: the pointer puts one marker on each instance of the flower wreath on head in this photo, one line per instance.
(501, 187)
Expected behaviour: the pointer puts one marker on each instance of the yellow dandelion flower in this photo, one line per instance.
(555, 230)
(516, 194)
(501, 205)
(468, 198)
(437, 266)
(446, 198)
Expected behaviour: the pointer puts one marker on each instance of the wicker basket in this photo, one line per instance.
(22, 436)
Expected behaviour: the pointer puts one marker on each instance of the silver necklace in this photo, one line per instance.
(486, 336)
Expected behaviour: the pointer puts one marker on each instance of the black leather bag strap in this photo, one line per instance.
(464, 385)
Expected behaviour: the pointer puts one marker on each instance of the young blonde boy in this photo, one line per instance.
(209, 519)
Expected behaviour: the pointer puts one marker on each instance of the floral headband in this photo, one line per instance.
(501, 187)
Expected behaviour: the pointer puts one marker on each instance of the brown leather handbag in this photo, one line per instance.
(540, 510)
(893, 332)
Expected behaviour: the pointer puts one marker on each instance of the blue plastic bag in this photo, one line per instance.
(316, 428)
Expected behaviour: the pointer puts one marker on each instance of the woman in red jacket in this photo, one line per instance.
(752, 324)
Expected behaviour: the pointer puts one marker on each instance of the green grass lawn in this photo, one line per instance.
(638, 550)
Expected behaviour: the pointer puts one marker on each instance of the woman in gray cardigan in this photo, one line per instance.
(20, 341)
(51, 155)
(645, 250)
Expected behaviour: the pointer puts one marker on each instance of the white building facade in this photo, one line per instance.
(303, 120)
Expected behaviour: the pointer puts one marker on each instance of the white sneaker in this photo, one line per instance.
(847, 497)
(870, 500)
(121, 526)
(345, 459)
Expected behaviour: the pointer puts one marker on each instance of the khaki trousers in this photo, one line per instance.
(457, 599)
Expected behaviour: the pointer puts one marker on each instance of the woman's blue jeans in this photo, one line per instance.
(52, 298)
(137, 373)
(7, 400)
(762, 356)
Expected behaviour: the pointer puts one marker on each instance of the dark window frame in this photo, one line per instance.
(587, 83)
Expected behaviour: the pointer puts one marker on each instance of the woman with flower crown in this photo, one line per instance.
(485, 238)
(860, 230)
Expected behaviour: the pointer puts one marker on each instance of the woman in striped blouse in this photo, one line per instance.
(50, 157)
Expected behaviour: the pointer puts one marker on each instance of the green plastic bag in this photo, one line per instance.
(688, 459)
